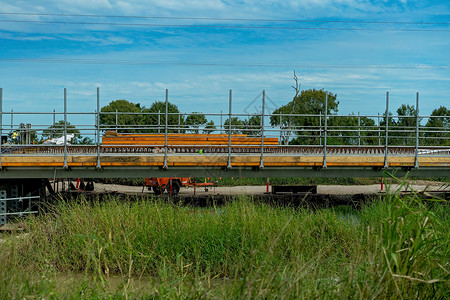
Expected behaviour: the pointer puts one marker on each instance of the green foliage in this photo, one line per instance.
(309, 102)
(435, 127)
(122, 107)
(83, 141)
(406, 121)
(140, 119)
(303, 130)
(57, 130)
(122, 181)
(351, 130)
(407, 248)
(237, 125)
(406, 115)
(252, 126)
(209, 127)
(174, 120)
(393, 248)
(195, 120)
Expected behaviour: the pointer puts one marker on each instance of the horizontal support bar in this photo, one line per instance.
(174, 171)
(19, 213)
(21, 198)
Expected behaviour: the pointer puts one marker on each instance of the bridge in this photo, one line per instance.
(167, 148)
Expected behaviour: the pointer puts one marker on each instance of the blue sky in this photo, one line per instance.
(199, 60)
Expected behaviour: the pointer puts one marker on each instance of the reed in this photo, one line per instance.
(393, 248)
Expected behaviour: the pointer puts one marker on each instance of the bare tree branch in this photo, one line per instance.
(297, 91)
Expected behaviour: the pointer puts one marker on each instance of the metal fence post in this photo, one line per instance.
(261, 165)
(320, 127)
(281, 129)
(12, 120)
(159, 121)
(386, 144)
(99, 166)
(165, 131)
(359, 129)
(117, 123)
(229, 131)
(416, 160)
(379, 132)
(65, 129)
(54, 122)
(325, 132)
(179, 123)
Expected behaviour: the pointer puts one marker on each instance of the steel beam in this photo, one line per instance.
(236, 171)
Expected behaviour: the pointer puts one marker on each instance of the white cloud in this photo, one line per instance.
(8, 36)
(308, 9)
(100, 40)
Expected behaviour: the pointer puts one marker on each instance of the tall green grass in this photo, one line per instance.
(393, 248)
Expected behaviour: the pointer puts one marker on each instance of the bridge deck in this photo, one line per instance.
(216, 165)
(220, 160)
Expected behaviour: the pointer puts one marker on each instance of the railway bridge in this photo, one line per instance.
(274, 147)
(269, 146)
(219, 161)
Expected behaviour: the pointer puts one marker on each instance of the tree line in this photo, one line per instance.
(308, 129)
(355, 129)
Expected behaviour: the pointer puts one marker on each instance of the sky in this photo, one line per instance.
(201, 49)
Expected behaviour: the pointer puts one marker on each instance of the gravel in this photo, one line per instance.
(254, 190)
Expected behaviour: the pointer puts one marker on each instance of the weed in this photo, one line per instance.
(393, 248)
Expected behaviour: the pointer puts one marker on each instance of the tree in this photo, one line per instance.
(132, 118)
(437, 129)
(83, 141)
(252, 126)
(175, 120)
(306, 127)
(401, 128)
(209, 127)
(406, 124)
(57, 130)
(195, 120)
(351, 130)
(236, 125)
(126, 123)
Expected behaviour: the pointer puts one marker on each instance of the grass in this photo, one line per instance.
(392, 248)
